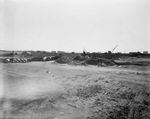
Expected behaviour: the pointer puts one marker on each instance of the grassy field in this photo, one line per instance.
(52, 91)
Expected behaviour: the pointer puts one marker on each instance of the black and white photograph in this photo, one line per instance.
(74, 59)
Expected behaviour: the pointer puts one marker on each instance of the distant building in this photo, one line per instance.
(60, 51)
(26, 53)
(118, 52)
(134, 54)
(53, 51)
(145, 52)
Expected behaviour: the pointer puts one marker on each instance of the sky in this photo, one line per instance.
(71, 25)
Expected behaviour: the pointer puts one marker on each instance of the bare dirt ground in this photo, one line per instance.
(52, 91)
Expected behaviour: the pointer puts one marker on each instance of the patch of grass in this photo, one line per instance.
(129, 101)
(138, 106)
(88, 91)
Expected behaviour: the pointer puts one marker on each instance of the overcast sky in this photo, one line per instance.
(71, 25)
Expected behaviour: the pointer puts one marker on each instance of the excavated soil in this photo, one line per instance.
(54, 91)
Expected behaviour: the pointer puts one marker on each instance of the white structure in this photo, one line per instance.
(7, 60)
(44, 58)
(14, 60)
(25, 60)
(21, 60)
(145, 52)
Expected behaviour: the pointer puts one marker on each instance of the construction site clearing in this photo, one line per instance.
(42, 85)
(85, 58)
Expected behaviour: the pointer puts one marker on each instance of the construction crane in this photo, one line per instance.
(114, 48)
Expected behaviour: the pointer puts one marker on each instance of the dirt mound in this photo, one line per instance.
(64, 60)
(70, 61)
(88, 91)
(85, 60)
(101, 62)
(78, 58)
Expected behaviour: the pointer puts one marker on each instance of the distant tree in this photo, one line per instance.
(84, 53)
(109, 52)
(11, 54)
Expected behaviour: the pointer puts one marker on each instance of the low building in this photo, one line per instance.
(145, 52)
(60, 51)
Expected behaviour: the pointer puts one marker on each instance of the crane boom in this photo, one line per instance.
(114, 48)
